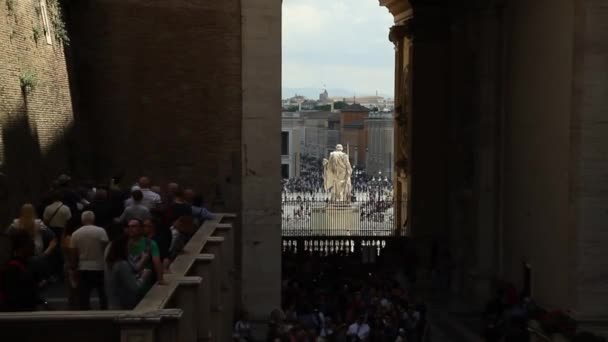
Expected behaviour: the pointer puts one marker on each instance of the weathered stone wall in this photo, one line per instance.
(159, 90)
(36, 124)
(187, 91)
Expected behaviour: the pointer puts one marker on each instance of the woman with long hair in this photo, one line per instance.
(44, 239)
(123, 286)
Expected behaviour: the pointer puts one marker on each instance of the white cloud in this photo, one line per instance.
(341, 43)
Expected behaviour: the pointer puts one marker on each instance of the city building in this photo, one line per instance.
(292, 133)
(379, 127)
(311, 133)
(353, 134)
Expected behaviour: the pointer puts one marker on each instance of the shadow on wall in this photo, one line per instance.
(28, 168)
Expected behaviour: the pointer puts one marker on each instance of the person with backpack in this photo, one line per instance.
(19, 289)
(56, 216)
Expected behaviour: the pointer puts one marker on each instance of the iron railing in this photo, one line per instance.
(369, 218)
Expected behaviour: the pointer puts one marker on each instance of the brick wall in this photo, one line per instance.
(35, 125)
(159, 89)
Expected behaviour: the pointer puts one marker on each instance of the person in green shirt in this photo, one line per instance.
(143, 252)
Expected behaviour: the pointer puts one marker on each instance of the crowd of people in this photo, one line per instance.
(300, 194)
(326, 300)
(116, 242)
(310, 182)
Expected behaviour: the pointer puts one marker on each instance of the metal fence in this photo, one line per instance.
(307, 218)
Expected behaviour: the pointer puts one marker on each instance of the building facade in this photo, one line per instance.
(353, 134)
(292, 135)
(380, 134)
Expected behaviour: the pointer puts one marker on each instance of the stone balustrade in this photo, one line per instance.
(196, 303)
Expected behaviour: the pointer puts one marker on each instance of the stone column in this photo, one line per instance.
(260, 239)
(430, 67)
(400, 35)
(488, 92)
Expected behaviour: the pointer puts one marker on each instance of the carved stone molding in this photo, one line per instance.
(400, 9)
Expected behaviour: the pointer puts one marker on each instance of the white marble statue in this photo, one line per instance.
(336, 175)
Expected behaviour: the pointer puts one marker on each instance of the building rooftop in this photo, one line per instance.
(356, 107)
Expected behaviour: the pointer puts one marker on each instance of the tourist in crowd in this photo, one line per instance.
(136, 210)
(89, 243)
(101, 206)
(401, 336)
(162, 241)
(328, 302)
(45, 241)
(150, 198)
(177, 208)
(69, 197)
(242, 328)
(182, 230)
(172, 188)
(143, 253)
(56, 216)
(358, 331)
(199, 212)
(157, 190)
(70, 268)
(124, 287)
(19, 286)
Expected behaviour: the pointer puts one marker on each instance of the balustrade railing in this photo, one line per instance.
(196, 303)
(306, 218)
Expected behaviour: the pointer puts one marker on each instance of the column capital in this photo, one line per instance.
(398, 32)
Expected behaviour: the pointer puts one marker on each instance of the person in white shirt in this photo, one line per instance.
(89, 243)
(151, 199)
(359, 330)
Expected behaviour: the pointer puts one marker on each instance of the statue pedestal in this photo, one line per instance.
(336, 219)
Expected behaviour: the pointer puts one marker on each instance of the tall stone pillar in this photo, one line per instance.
(401, 36)
(474, 136)
(261, 128)
(429, 120)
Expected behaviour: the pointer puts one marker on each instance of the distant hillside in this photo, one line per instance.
(313, 93)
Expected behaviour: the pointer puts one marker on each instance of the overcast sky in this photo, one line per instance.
(340, 43)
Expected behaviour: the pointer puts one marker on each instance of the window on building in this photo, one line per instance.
(285, 171)
(44, 13)
(284, 143)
